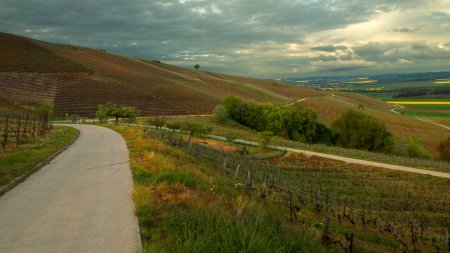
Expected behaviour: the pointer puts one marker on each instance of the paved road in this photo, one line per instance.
(80, 202)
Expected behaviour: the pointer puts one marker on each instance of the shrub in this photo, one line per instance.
(361, 131)
(196, 129)
(290, 122)
(417, 150)
(174, 126)
(221, 114)
(117, 111)
(74, 118)
(158, 122)
(264, 139)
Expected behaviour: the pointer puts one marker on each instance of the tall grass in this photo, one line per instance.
(184, 205)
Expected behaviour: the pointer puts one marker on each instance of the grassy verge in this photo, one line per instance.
(186, 205)
(18, 161)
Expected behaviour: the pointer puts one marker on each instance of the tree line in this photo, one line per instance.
(353, 129)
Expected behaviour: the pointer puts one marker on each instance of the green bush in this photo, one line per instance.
(117, 111)
(196, 129)
(361, 131)
(290, 122)
(221, 114)
(264, 139)
(158, 122)
(417, 150)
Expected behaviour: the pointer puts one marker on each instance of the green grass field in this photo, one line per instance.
(425, 110)
(18, 161)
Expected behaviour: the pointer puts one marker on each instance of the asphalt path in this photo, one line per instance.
(80, 202)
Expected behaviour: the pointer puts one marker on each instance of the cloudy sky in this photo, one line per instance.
(259, 38)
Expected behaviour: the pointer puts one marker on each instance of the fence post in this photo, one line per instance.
(25, 127)
(224, 166)
(5, 134)
(236, 173)
(18, 132)
(249, 180)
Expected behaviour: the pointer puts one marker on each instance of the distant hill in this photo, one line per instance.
(76, 79)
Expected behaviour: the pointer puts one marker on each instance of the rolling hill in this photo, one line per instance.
(75, 80)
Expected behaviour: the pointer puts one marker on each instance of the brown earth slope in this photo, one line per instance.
(76, 79)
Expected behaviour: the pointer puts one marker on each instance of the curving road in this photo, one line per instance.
(80, 202)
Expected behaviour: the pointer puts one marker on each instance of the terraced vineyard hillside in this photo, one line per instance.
(76, 79)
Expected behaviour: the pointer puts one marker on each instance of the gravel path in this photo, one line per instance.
(349, 160)
(80, 202)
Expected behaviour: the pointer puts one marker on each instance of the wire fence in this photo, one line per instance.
(410, 220)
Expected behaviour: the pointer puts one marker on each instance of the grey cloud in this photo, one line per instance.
(329, 48)
(185, 32)
(326, 58)
(392, 52)
(405, 30)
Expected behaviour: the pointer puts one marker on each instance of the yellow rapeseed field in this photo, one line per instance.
(419, 102)
(442, 81)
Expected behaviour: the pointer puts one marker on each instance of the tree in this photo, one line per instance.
(174, 126)
(444, 149)
(117, 111)
(74, 118)
(221, 114)
(196, 129)
(196, 66)
(293, 123)
(158, 122)
(264, 139)
(234, 107)
(361, 131)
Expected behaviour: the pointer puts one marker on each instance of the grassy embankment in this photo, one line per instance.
(17, 161)
(184, 205)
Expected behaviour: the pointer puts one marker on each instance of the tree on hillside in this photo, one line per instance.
(444, 149)
(196, 129)
(196, 66)
(293, 123)
(264, 139)
(361, 131)
(117, 111)
(221, 114)
(234, 107)
(290, 122)
(158, 122)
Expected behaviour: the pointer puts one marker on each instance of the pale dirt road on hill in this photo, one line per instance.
(80, 202)
(348, 160)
